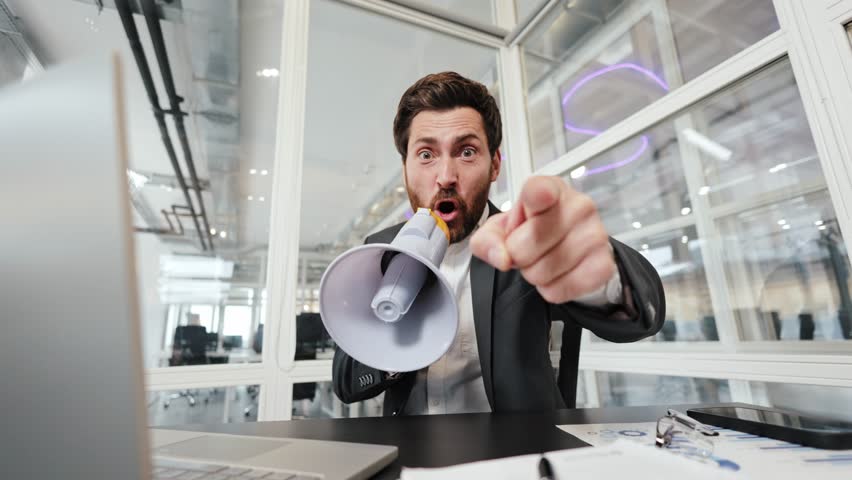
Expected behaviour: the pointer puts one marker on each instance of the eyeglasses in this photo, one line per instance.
(696, 432)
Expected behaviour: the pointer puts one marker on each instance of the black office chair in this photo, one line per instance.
(253, 391)
(257, 341)
(310, 334)
(230, 342)
(806, 326)
(669, 331)
(212, 341)
(708, 328)
(189, 347)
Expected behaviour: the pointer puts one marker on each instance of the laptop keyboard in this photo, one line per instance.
(187, 470)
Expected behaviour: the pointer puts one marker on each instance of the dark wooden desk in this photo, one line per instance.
(442, 440)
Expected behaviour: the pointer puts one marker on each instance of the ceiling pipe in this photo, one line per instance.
(129, 25)
(149, 11)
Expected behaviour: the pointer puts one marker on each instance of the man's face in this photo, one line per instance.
(448, 167)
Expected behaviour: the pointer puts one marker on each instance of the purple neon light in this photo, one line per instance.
(588, 131)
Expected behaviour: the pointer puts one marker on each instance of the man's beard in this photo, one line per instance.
(469, 213)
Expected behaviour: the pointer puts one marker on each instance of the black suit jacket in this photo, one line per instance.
(512, 324)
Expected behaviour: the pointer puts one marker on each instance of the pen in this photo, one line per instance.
(545, 470)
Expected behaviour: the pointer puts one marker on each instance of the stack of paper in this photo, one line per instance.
(618, 461)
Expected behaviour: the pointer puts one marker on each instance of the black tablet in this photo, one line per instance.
(778, 424)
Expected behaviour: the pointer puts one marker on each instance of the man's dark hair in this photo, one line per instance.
(446, 91)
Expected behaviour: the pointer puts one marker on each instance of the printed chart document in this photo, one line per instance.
(617, 461)
(744, 454)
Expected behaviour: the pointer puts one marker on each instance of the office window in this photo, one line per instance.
(480, 12)
(815, 400)
(593, 64)
(237, 322)
(676, 255)
(203, 406)
(741, 172)
(792, 280)
(352, 182)
(317, 400)
(224, 57)
(618, 389)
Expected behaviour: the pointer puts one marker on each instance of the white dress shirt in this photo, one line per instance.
(454, 384)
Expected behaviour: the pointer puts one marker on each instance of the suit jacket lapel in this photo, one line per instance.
(482, 292)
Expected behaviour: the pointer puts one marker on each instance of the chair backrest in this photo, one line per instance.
(310, 333)
(257, 341)
(232, 341)
(190, 344)
(212, 341)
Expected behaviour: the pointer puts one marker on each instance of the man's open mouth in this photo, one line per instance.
(447, 209)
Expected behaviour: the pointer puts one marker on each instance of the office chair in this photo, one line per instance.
(252, 390)
(230, 342)
(806, 326)
(212, 341)
(669, 331)
(188, 348)
(310, 334)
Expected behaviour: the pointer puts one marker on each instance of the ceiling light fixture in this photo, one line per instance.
(685, 211)
(637, 225)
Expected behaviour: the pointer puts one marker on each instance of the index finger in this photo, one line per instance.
(489, 242)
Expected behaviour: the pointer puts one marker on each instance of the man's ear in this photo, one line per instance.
(496, 162)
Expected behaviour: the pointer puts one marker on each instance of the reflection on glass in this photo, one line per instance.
(593, 64)
(317, 400)
(676, 255)
(754, 138)
(203, 406)
(13, 63)
(788, 270)
(816, 400)
(618, 389)
(352, 182)
(476, 11)
(638, 183)
(705, 36)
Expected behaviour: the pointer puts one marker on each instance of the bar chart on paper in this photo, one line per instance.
(752, 456)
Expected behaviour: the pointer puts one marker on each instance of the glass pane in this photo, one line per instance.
(598, 62)
(203, 406)
(638, 183)
(317, 400)
(476, 11)
(754, 138)
(814, 400)
(13, 65)
(792, 280)
(224, 60)
(365, 176)
(618, 389)
(526, 8)
(676, 255)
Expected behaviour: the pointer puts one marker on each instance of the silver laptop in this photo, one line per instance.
(71, 391)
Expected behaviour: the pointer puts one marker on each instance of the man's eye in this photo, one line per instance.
(468, 152)
(425, 155)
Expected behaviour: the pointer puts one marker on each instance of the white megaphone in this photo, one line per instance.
(388, 305)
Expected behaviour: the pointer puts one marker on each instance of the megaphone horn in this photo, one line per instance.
(398, 319)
